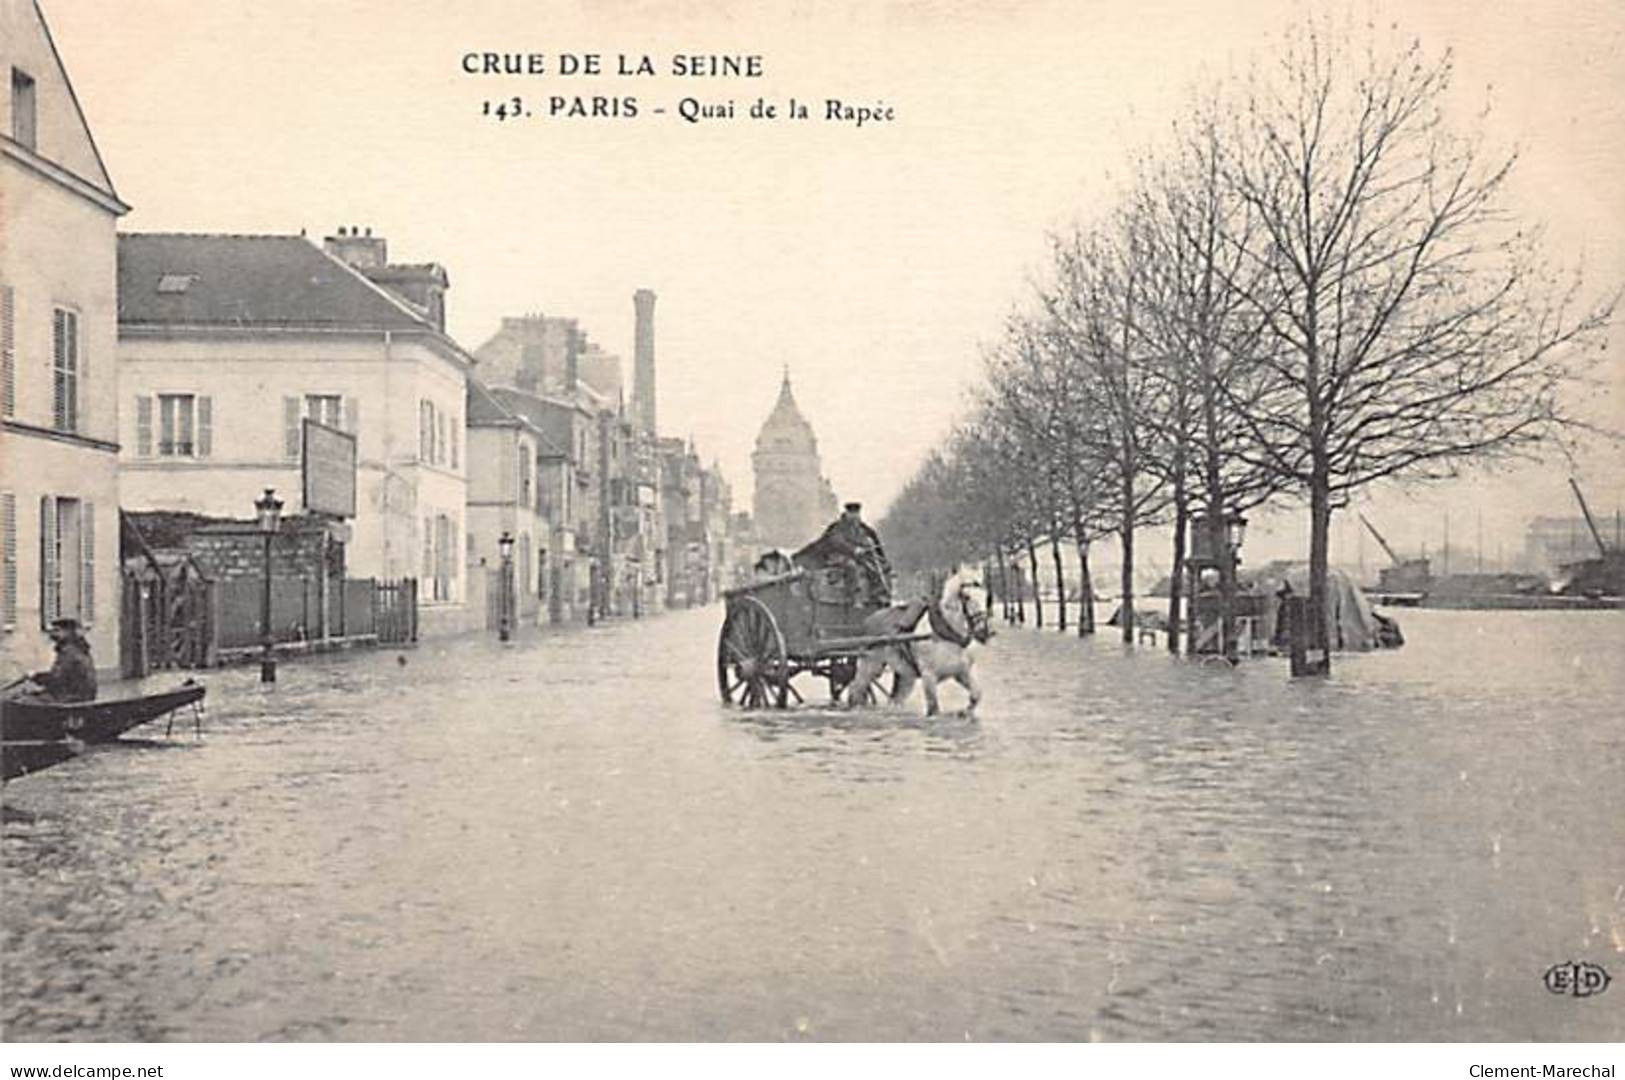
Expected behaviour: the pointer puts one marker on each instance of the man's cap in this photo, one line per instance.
(854, 507)
(64, 624)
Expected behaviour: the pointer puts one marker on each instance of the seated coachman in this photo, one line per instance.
(849, 541)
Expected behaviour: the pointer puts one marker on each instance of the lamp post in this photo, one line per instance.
(268, 510)
(505, 602)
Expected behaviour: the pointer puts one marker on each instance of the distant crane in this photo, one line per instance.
(1591, 523)
(1602, 576)
(1407, 580)
(1393, 557)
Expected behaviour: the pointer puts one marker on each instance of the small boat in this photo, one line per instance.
(92, 721)
(36, 734)
(19, 757)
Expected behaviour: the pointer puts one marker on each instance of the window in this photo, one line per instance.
(176, 413)
(24, 110)
(65, 369)
(325, 409)
(524, 475)
(8, 560)
(8, 351)
(334, 410)
(440, 549)
(67, 560)
(431, 433)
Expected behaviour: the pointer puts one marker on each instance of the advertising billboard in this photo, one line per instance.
(328, 471)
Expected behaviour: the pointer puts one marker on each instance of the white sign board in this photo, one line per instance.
(329, 458)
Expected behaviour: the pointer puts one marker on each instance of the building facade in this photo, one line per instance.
(507, 457)
(228, 343)
(793, 501)
(568, 488)
(59, 407)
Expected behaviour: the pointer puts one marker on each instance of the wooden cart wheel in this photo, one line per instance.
(753, 671)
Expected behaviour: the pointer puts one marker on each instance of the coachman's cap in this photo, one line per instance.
(854, 507)
(65, 624)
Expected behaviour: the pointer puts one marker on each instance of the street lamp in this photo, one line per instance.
(1235, 531)
(268, 510)
(505, 606)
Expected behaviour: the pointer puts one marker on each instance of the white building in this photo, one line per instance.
(226, 343)
(59, 499)
(508, 477)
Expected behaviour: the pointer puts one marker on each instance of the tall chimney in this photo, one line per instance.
(643, 361)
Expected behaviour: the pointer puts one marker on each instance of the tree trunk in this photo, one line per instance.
(1086, 584)
(1125, 616)
(1060, 578)
(1004, 582)
(1038, 601)
(1320, 522)
(1176, 586)
(1019, 589)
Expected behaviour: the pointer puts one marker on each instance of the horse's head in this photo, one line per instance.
(966, 596)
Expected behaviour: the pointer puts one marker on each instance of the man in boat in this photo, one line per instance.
(850, 539)
(73, 676)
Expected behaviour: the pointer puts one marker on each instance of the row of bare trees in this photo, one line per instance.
(1313, 285)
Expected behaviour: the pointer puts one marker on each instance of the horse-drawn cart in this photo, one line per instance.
(804, 622)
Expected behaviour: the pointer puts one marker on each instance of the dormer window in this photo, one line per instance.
(24, 110)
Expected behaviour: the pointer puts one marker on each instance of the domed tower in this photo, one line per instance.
(788, 505)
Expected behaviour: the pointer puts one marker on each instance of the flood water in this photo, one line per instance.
(570, 838)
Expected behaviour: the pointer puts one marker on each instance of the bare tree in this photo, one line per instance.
(1410, 326)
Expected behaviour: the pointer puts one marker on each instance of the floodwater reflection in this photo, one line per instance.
(569, 838)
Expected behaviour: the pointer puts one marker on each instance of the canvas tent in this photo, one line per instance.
(1351, 625)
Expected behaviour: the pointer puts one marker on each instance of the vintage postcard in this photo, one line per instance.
(907, 522)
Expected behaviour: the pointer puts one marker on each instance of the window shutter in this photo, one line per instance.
(87, 572)
(8, 351)
(456, 428)
(205, 426)
(48, 581)
(352, 416)
(59, 371)
(290, 428)
(143, 426)
(8, 560)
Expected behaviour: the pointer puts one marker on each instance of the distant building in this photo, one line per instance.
(1550, 543)
(547, 355)
(59, 495)
(508, 459)
(227, 343)
(793, 501)
(568, 486)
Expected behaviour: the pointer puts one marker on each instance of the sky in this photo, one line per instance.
(875, 263)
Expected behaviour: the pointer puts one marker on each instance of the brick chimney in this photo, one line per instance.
(643, 360)
(359, 250)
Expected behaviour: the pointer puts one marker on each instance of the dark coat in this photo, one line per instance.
(73, 676)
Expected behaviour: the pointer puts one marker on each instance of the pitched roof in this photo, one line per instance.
(547, 418)
(246, 281)
(484, 409)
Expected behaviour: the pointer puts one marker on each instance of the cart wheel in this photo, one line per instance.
(752, 667)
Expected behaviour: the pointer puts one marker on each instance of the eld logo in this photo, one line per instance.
(1577, 979)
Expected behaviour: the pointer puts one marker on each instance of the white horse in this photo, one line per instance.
(958, 623)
